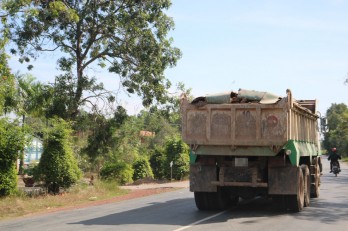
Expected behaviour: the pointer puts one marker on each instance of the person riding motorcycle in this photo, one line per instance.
(334, 157)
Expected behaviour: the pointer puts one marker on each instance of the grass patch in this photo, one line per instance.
(81, 193)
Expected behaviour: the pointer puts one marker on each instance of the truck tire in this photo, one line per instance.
(226, 199)
(307, 184)
(201, 200)
(315, 184)
(209, 200)
(296, 202)
(280, 203)
(219, 200)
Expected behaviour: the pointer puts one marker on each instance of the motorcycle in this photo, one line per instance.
(335, 168)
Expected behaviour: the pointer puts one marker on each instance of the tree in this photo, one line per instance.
(128, 37)
(7, 79)
(102, 133)
(7, 86)
(12, 141)
(157, 162)
(58, 167)
(337, 135)
(178, 152)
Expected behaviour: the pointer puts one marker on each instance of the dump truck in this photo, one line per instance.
(249, 143)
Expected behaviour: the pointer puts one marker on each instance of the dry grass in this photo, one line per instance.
(20, 205)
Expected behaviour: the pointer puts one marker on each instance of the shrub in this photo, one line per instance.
(12, 140)
(142, 169)
(58, 167)
(119, 171)
(8, 181)
(178, 152)
(157, 161)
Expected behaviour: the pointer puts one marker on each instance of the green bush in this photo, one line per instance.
(178, 152)
(142, 169)
(157, 161)
(12, 140)
(119, 171)
(8, 181)
(58, 167)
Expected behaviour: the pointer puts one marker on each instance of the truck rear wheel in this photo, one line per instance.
(315, 184)
(201, 200)
(219, 200)
(307, 184)
(296, 202)
(210, 201)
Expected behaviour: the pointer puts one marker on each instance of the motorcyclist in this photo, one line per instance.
(334, 157)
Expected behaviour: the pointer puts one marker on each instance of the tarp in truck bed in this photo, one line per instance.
(242, 96)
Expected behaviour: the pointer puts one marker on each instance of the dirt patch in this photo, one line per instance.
(135, 191)
(153, 185)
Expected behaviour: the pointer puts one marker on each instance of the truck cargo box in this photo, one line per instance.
(249, 119)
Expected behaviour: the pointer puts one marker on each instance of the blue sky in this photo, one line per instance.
(265, 45)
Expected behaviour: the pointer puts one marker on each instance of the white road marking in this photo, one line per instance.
(200, 221)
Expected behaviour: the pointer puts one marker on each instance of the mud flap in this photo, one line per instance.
(282, 180)
(201, 177)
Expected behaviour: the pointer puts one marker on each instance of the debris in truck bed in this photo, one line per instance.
(243, 96)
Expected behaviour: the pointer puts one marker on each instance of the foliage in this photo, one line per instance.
(157, 162)
(127, 142)
(118, 171)
(7, 87)
(337, 134)
(142, 169)
(171, 110)
(33, 98)
(102, 133)
(178, 152)
(129, 38)
(8, 181)
(57, 166)
(157, 123)
(12, 140)
(7, 79)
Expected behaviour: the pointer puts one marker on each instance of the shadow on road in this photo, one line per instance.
(329, 208)
(176, 212)
(173, 212)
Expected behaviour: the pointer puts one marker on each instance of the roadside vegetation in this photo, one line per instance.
(335, 129)
(84, 129)
(20, 204)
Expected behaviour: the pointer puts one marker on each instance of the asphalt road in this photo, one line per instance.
(176, 211)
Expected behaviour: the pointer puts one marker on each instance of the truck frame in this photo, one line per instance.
(250, 144)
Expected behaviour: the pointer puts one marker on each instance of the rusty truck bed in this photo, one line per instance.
(251, 124)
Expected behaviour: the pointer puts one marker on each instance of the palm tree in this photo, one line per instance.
(31, 101)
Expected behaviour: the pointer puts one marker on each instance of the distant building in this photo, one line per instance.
(144, 134)
(33, 151)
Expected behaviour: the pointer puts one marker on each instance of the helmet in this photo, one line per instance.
(333, 149)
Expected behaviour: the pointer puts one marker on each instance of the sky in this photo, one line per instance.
(263, 45)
